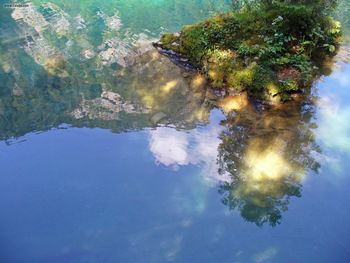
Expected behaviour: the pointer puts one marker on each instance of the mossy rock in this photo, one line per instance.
(170, 41)
(250, 50)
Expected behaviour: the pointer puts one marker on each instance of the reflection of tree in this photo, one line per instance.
(267, 156)
(131, 99)
(52, 72)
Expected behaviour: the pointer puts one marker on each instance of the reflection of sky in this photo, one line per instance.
(88, 195)
(333, 117)
(176, 148)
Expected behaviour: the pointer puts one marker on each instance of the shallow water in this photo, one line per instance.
(111, 153)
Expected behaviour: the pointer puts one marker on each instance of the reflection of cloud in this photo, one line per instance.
(169, 146)
(266, 255)
(333, 120)
(334, 112)
(175, 148)
(342, 78)
(334, 133)
(334, 128)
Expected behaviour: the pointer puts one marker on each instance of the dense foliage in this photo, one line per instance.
(268, 47)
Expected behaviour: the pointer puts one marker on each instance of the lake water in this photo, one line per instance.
(110, 152)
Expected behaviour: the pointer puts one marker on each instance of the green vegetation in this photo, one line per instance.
(267, 48)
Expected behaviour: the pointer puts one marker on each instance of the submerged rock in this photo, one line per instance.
(107, 107)
(58, 20)
(157, 84)
(17, 91)
(80, 22)
(112, 22)
(30, 16)
(88, 54)
(6, 67)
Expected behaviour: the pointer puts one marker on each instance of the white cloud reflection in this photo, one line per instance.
(334, 111)
(175, 148)
(334, 128)
(333, 117)
(169, 146)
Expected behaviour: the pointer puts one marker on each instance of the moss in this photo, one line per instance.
(216, 77)
(242, 79)
(168, 38)
(218, 64)
(272, 89)
(194, 42)
(263, 78)
(170, 41)
(290, 85)
(254, 50)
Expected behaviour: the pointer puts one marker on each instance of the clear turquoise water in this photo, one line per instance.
(87, 176)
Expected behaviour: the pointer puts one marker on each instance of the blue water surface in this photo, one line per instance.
(85, 179)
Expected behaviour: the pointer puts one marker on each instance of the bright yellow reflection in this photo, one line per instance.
(149, 101)
(266, 163)
(267, 170)
(266, 167)
(198, 81)
(268, 155)
(164, 89)
(169, 86)
(234, 103)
